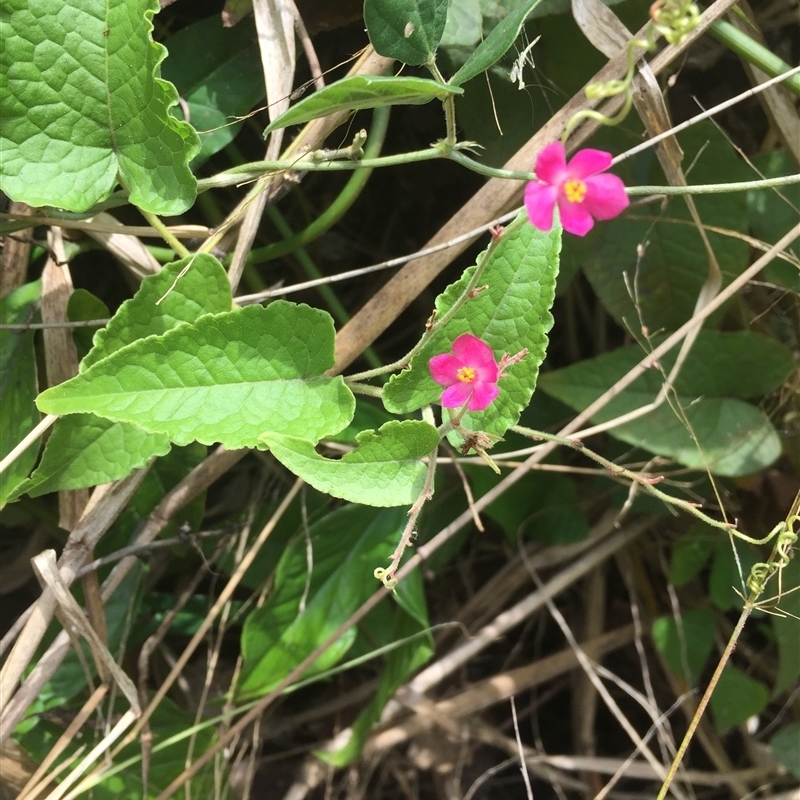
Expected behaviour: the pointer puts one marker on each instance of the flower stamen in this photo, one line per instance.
(575, 191)
(466, 374)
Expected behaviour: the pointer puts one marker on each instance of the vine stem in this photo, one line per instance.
(165, 233)
(712, 684)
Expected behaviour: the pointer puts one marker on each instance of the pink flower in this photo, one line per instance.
(578, 188)
(471, 373)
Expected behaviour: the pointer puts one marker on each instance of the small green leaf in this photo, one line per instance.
(18, 385)
(511, 314)
(385, 469)
(686, 643)
(363, 91)
(495, 45)
(734, 437)
(219, 82)
(464, 24)
(228, 378)
(736, 698)
(785, 746)
(691, 553)
(203, 289)
(86, 450)
(341, 551)
(85, 108)
(408, 30)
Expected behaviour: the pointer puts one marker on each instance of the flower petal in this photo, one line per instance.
(574, 217)
(482, 396)
(605, 196)
(588, 162)
(472, 351)
(456, 395)
(540, 199)
(443, 369)
(551, 163)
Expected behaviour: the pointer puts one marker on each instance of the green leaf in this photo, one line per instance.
(84, 107)
(203, 289)
(495, 45)
(691, 553)
(219, 82)
(464, 24)
(672, 267)
(228, 378)
(686, 643)
(511, 314)
(86, 450)
(83, 305)
(786, 626)
(385, 469)
(342, 551)
(408, 30)
(18, 385)
(736, 698)
(734, 437)
(785, 746)
(363, 91)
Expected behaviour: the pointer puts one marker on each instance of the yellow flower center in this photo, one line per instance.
(575, 191)
(466, 374)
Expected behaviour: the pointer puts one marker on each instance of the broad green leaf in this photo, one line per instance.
(203, 289)
(786, 624)
(86, 450)
(367, 417)
(408, 30)
(385, 469)
(671, 268)
(511, 314)
(495, 45)
(342, 551)
(363, 91)
(400, 664)
(220, 81)
(736, 698)
(686, 643)
(691, 553)
(18, 385)
(785, 746)
(228, 378)
(84, 108)
(734, 437)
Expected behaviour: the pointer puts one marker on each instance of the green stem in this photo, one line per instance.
(614, 469)
(257, 169)
(174, 243)
(337, 209)
(715, 188)
(753, 52)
